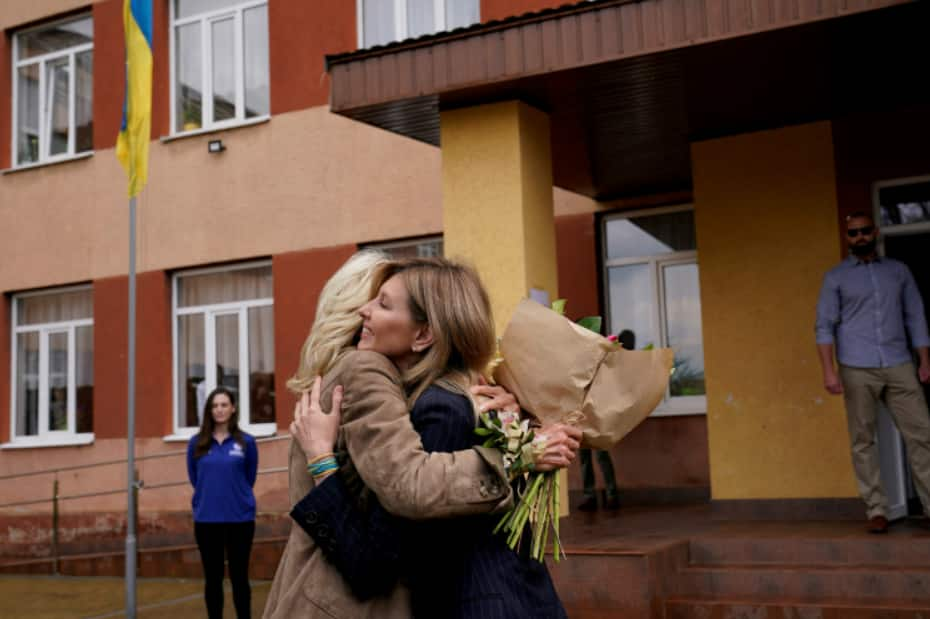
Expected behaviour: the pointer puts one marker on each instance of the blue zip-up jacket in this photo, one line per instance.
(223, 479)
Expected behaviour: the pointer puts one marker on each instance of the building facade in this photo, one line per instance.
(696, 208)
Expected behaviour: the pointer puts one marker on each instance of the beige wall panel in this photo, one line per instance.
(18, 12)
(270, 488)
(305, 179)
(766, 212)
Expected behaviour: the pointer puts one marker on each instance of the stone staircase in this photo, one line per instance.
(828, 577)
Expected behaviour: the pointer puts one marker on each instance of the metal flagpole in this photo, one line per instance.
(131, 430)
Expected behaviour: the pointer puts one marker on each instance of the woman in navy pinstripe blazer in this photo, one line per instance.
(432, 318)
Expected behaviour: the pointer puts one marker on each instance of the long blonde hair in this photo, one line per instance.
(337, 319)
(450, 298)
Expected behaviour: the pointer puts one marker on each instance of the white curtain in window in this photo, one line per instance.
(460, 13)
(225, 287)
(57, 307)
(378, 22)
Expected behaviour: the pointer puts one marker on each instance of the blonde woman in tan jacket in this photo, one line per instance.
(405, 479)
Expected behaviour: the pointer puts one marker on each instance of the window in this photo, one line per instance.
(384, 21)
(53, 91)
(425, 247)
(904, 203)
(220, 63)
(224, 335)
(53, 367)
(651, 279)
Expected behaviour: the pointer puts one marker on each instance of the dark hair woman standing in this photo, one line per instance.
(222, 462)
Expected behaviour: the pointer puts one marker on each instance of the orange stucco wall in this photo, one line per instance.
(153, 355)
(111, 333)
(304, 34)
(576, 249)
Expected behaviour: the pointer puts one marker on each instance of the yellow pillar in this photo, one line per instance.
(497, 199)
(766, 213)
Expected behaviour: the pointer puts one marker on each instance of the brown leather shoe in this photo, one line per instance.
(878, 524)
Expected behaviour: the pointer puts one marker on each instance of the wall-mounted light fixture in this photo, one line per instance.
(215, 146)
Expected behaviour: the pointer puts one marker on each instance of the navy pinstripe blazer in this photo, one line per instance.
(455, 567)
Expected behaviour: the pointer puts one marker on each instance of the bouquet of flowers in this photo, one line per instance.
(538, 505)
(570, 375)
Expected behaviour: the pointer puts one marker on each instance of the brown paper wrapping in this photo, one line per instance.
(555, 367)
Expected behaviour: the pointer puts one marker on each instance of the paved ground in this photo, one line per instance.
(60, 597)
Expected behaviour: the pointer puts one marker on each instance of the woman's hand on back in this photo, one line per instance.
(562, 443)
(314, 429)
(494, 398)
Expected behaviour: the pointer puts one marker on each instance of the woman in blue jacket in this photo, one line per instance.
(222, 462)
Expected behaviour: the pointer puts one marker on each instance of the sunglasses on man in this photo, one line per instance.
(864, 231)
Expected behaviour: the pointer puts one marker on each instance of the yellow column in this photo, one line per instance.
(497, 199)
(766, 213)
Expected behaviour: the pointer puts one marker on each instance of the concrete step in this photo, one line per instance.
(745, 609)
(887, 550)
(871, 584)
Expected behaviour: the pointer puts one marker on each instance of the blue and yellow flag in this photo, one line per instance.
(132, 145)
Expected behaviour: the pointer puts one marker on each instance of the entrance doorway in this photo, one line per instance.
(903, 211)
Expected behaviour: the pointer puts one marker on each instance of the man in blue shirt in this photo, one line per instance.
(868, 309)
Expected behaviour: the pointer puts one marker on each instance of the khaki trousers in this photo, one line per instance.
(903, 395)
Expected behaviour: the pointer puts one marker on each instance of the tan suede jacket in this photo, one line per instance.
(389, 457)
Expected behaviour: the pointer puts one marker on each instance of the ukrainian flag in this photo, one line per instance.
(132, 145)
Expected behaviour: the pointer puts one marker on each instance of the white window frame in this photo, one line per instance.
(670, 406)
(211, 312)
(896, 229)
(206, 59)
(45, 437)
(400, 20)
(389, 246)
(44, 115)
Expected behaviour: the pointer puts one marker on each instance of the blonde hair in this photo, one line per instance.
(337, 319)
(450, 298)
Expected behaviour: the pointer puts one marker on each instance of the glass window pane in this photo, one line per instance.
(227, 352)
(58, 381)
(421, 17)
(632, 304)
(27, 384)
(650, 235)
(189, 88)
(84, 98)
(27, 114)
(378, 22)
(84, 378)
(187, 8)
(222, 56)
(460, 13)
(905, 204)
(225, 286)
(55, 38)
(57, 101)
(261, 365)
(683, 318)
(255, 40)
(55, 307)
(191, 363)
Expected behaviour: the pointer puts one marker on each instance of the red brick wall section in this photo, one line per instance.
(154, 408)
(161, 71)
(577, 256)
(301, 34)
(500, 9)
(6, 95)
(298, 278)
(111, 303)
(5, 386)
(109, 72)
(877, 147)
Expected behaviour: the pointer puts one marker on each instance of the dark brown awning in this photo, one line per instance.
(628, 84)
